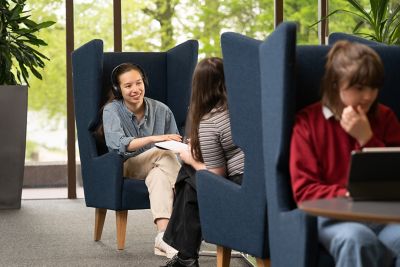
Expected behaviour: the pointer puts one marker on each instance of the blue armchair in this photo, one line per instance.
(293, 234)
(336, 36)
(233, 216)
(170, 75)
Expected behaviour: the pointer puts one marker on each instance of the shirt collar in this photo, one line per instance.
(327, 112)
(146, 108)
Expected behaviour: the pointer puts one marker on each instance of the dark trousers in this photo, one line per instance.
(184, 231)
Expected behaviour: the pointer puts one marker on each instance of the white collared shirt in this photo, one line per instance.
(327, 112)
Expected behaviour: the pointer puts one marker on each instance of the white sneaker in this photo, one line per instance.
(163, 249)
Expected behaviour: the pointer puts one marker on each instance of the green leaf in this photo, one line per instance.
(45, 24)
(360, 9)
(327, 16)
(16, 11)
(36, 42)
(358, 25)
(30, 23)
(36, 73)
(17, 39)
(25, 73)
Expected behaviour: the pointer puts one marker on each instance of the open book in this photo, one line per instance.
(172, 145)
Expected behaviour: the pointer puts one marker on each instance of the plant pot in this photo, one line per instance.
(13, 116)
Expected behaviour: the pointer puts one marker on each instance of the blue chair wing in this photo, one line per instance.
(292, 233)
(231, 215)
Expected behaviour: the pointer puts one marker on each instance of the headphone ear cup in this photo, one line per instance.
(114, 84)
(116, 91)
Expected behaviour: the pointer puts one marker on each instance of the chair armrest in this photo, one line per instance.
(293, 233)
(104, 189)
(231, 216)
(209, 184)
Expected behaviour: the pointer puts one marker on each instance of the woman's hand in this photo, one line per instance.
(355, 123)
(167, 137)
(186, 156)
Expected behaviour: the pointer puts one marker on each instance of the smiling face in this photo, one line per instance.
(132, 88)
(358, 95)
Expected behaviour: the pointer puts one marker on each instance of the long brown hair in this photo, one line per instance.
(208, 92)
(354, 63)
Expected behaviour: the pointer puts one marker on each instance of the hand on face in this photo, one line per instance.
(355, 122)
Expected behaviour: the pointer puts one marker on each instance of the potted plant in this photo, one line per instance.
(18, 58)
(378, 22)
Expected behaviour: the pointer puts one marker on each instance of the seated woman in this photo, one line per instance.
(211, 148)
(132, 124)
(347, 118)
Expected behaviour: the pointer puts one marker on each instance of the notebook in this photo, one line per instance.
(172, 145)
(375, 174)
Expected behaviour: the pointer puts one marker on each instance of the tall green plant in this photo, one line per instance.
(382, 22)
(17, 38)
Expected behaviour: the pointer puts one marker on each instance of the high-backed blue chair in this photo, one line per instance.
(293, 234)
(169, 74)
(234, 216)
(336, 36)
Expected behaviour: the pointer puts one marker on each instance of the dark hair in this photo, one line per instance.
(121, 69)
(208, 92)
(354, 63)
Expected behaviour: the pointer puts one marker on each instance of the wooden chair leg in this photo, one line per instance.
(263, 262)
(122, 216)
(223, 256)
(100, 216)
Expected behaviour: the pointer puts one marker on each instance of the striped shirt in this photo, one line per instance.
(216, 143)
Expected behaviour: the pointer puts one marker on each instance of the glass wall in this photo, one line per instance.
(46, 144)
(147, 25)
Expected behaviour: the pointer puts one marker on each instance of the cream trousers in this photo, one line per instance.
(159, 168)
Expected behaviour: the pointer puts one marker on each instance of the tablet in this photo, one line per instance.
(374, 174)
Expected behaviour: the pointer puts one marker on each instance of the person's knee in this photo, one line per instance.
(361, 248)
(157, 179)
(355, 240)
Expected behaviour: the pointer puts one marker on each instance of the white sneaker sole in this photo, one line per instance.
(159, 252)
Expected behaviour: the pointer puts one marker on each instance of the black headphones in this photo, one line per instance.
(116, 89)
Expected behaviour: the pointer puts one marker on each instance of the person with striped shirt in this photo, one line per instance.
(210, 147)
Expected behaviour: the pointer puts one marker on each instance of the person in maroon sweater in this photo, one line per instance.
(347, 118)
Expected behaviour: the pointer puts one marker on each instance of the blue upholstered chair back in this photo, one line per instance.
(336, 36)
(170, 75)
(241, 68)
(231, 215)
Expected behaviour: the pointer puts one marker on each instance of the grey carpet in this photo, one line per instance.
(60, 233)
